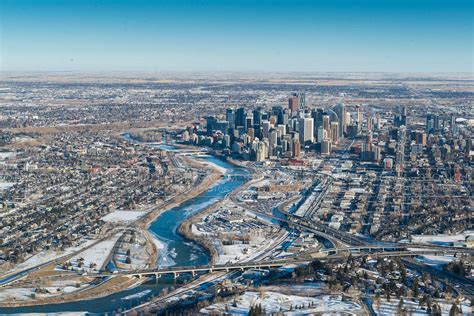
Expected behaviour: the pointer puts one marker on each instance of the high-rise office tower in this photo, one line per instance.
(359, 118)
(334, 132)
(210, 124)
(248, 122)
(369, 124)
(292, 125)
(326, 147)
(251, 132)
(401, 118)
(377, 153)
(222, 126)
(317, 115)
(286, 116)
(348, 120)
(293, 104)
(227, 142)
(265, 128)
(230, 117)
(278, 112)
(287, 138)
(281, 130)
(261, 151)
(296, 148)
(306, 130)
(301, 100)
(432, 122)
(404, 115)
(240, 116)
(273, 138)
(284, 145)
(352, 130)
(321, 134)
(453, 123)
(340, 110)
(326, 122)
(257, 116)
(377, 121)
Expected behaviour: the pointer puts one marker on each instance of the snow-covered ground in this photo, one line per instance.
(441, 238)
(435, 260)
(20, 294)
(210, 164)
(391, 308)
(122, 216)
(6, 185)
(138, 253)
(164, 256)
(45, 256)
(6, 154)
(96, 254)
(159, 245)
(245, 252)
(25, 294)
(136, 296)
(233, 253)
(272, 302)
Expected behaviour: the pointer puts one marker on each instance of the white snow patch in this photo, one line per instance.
(272, 302)
(96, 254)
(164, 257)
(391, 308)
(436, 260)
(6, 185)
(212, 165)
(441, 238)
(48, 255)
(6, 154)
(122, 216)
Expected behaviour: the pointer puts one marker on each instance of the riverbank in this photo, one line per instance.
(185, 228)
(145, 223)
(114, 285)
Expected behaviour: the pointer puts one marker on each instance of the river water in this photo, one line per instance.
(175, 250)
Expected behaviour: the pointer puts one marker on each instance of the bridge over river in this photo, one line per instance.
(305, 258)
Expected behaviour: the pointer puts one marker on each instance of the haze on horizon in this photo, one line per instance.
(245, 35)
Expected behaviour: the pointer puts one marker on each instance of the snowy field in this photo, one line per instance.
(233, 253)
(272, 302)
(7, 154)
(96, 254)
(243, 252)
(6, 185)
(441, 238)
(26, 294)
(123, 216)
(138, 253)
(435, 260)
(20, 294)
(45, 256)
(391, 308)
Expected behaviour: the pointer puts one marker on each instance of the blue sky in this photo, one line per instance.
(239, 35)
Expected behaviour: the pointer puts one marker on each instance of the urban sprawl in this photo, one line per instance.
(236, 194)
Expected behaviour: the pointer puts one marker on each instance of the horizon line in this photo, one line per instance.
(71, 71)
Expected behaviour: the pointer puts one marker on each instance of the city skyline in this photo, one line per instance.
(282, 36)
